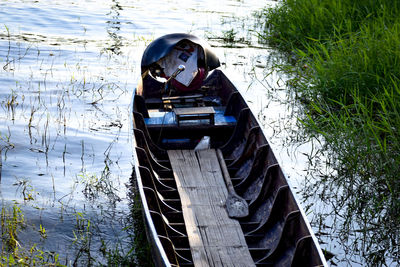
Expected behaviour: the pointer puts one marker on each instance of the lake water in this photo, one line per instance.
(68, 69)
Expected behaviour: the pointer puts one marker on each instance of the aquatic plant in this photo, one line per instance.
(82, 240)
(13, 253)
(141, 247)
(345, 64)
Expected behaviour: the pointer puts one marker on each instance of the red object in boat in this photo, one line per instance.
(194, 85)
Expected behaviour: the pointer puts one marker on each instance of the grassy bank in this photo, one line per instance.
(347, 74)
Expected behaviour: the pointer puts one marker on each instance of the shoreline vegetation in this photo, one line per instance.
(345, 60)
(17, 253)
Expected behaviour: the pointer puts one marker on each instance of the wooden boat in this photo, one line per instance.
(183, 191)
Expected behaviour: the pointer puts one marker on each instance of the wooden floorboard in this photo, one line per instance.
(215, 239)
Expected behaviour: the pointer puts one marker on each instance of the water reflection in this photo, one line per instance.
(355, 223)
(61, 163)
(67, 73)
(67, 76)
(113, 28)
(366, 231)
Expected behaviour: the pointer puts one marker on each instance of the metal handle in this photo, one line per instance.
(173, 76)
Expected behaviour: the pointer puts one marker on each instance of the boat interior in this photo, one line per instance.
(275, 230)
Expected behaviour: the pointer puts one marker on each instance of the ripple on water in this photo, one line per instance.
(69, 70)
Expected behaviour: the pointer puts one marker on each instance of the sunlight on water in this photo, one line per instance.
(68, 69)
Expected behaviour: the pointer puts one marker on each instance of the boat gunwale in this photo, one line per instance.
(149, 224)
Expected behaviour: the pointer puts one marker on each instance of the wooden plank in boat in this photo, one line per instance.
(194, 113)
(196, 99)
(214, 238)
(196, 96)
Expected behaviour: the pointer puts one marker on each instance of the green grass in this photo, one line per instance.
(13, 253)
(346, 71)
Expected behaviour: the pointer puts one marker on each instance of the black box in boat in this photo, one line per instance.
(181, 98)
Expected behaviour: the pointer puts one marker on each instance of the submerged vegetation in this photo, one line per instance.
(345, 63)
(142, 249)
(15, 254)
(132, 251)
(60, 205)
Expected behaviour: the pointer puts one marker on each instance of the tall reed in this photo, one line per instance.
(347, 75)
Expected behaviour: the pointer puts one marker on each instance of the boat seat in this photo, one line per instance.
(195, 113)
(167, 120)
(191, 100)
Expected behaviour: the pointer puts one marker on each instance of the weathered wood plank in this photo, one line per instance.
(194, 110)
(194, 113)
(215, 239)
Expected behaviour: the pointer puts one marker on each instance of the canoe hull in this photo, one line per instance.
(276, 230)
